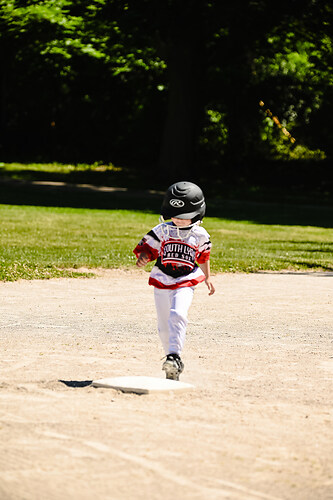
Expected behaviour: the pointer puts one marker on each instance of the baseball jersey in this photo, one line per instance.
(176, 251)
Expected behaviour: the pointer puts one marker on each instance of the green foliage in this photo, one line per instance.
(63, 29)
(297, 64)
(214, 132)
(280, 146)
(40, 243)
(100, 71)
(286, 151)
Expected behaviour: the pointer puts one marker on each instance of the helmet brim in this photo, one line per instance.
(168, 214)
(189, 215)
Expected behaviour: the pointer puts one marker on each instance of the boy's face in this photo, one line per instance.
(181, 222)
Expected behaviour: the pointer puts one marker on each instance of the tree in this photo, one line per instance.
(29, 31)
(142, 81)
(64, 51)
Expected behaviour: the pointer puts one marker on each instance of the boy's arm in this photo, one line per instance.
(147, 249)
(205, 267)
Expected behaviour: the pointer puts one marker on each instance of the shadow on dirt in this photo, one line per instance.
(76, 383)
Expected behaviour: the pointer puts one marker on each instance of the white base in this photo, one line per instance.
(142, 385)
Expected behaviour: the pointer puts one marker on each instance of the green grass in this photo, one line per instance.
(248, 247)
(44, 242)
(31, 170)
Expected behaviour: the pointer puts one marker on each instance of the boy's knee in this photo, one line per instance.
(177, 318)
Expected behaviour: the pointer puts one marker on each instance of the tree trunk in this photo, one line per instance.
(241, 105)
(183, 54)
(3, 104)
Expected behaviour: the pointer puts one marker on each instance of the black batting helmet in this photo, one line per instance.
(184, 200)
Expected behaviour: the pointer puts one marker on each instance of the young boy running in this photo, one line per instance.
(181, 248)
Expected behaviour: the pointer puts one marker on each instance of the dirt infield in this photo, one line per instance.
(258, 425)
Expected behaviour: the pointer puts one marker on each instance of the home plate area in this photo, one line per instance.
(142, 385)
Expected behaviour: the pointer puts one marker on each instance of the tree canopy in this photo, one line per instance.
(174, 86)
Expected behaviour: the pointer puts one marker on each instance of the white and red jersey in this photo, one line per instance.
(176, 251)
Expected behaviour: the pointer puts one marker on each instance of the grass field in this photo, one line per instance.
(44, 242)
(55, 220)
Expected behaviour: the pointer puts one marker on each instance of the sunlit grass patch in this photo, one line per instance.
(47, 242)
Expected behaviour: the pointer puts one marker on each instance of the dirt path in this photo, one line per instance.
(258, 425)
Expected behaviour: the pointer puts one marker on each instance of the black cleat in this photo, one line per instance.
(173, 366)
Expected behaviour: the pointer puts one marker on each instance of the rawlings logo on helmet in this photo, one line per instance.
(176, 203)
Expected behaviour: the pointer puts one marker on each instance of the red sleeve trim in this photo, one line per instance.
(151, 252)
(203, 257)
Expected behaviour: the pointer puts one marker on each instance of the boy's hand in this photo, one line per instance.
(142, 259)
(210, 286)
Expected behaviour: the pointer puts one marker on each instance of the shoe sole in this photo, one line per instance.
(171, 371)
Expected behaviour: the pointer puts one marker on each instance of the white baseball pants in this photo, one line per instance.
(172, 307)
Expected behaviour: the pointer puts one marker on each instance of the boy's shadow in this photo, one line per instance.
(76, 383)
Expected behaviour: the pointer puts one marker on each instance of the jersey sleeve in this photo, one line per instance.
(150, 245)
(205, 245)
